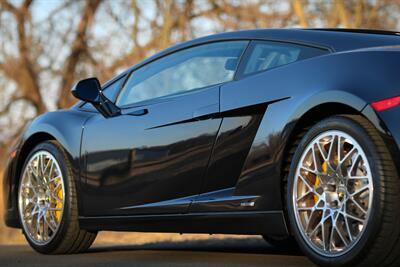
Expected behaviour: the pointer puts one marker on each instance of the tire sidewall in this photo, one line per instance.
(56, 152)
(360, 249)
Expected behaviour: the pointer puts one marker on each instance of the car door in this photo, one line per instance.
(236, 169)
(152, 158)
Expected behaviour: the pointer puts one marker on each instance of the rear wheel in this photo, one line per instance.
(343, 195)
(47, 202)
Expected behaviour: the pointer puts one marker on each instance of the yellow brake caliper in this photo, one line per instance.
(59, 201)
(317, 180)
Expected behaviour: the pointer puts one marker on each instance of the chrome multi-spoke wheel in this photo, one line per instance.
(41, 197)
(47, 202)
(332, 193)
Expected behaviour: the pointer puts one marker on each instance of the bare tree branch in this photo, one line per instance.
(79, 46)
(298, 10)
(8, 6)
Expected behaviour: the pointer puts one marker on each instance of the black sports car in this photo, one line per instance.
(281, 133)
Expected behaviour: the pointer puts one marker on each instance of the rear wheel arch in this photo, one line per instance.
(303, 124)
(318, 113)
(319, 106)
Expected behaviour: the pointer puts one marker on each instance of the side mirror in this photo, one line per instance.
(89, 90)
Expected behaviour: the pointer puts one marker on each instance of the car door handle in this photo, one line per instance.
(139, 112)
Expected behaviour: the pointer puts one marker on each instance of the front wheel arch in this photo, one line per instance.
(28, 145)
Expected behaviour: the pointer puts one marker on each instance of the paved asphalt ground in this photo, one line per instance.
(204, 253)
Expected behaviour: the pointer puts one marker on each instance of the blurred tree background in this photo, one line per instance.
(48, 45)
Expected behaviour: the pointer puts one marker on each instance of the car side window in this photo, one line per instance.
(110, 91)
(268, 55)
(185, 70)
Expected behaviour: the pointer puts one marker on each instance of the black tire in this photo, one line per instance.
(379, 244)
(69, 238)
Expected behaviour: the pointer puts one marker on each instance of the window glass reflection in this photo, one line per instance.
(185, 70)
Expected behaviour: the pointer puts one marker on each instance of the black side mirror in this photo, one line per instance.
(89, 90)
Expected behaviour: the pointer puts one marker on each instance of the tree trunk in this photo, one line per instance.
(79, 47)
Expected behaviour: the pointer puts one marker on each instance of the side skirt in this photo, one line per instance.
(250, 223)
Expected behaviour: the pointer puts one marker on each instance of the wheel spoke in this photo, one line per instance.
(325, 234)
(305, 195)
(324, 154)
(40, 166)
(51, 171)
(348, 155)
(339, 232)
(56, 188)
(354, 164)
(314, 231)
(45, 228)
(54, 209)
(358, 205)
(53, 220)
(33, 177)
(316, 160)
(333, 152)
(39, 228)
(55, 197)
(357, 177)
(49, 225)
(307, 183)
(353, 217)
(305, 209)
(348, 229)
(53, 180)
(311, 220)
(360, 190)
(309, 170)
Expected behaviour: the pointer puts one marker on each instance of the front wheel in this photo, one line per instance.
(343, 195)
(47, 202)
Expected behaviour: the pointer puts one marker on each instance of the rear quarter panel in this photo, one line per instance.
(353, 78)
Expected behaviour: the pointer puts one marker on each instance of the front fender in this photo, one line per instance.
(64, 126)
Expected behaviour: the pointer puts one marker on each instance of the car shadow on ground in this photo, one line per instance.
(213, 252)
(228, 245)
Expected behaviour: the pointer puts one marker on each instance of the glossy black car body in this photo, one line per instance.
(212, 161)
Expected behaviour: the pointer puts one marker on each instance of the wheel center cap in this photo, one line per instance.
(42, 198)
(334, 196)
(332, 200)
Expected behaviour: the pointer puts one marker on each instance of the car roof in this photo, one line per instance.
(368, 31)
(336, 40)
